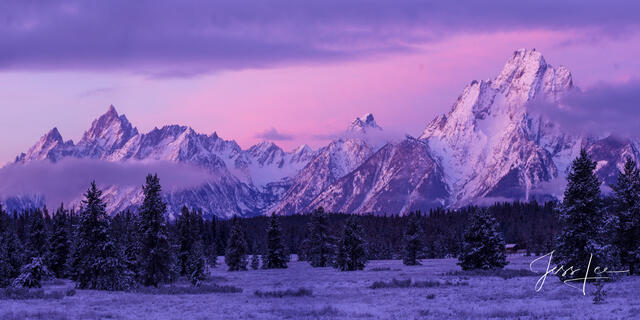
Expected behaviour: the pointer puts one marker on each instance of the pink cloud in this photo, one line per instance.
(403, 91)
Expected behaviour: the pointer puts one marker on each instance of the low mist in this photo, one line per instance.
(66, 180)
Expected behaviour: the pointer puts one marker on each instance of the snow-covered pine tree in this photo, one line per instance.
(15, 251)
(59, 243)
(196, 264)
(5, 266)
(276, 257)
(11, 250)
(352, 254)
(187, 236)
(155, 257)
(599, 293)
(483, 246)
(320, 246)
(191, 252)
(37, 236)
(582, 220)
(236, 253)
(209, 242)
(97, 262)
(627, 205)
(255, 262)
(130, 243)
(263, 261)
(303, 249)
(32, 274)
(413, 245)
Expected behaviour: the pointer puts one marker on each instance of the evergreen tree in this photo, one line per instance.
(60, 243)
(188, 234)
(351, 253)
(582, 219)
(413, 245)
(483, 246)
(255, 262)
(32, 274)
(5, 267)
(320, 246)
(236, 252)
(37, 236)
(130, 242)
(276, 258)
(96, 260)
(209, 241)
(155, 259)
(11, 250)
(196, 265)
(191, 255)
(304, 249)
(627, 204)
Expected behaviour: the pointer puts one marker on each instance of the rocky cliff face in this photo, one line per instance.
(398, 178)
(329, 164)
(245, 179)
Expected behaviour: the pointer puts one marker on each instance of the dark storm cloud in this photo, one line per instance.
(603, 108)
(184, 38)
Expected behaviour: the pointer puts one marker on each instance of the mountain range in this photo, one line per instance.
(488, 147)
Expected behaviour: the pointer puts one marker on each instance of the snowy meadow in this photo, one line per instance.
(438, 290)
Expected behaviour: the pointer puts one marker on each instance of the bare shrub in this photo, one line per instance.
(11, 293)
(395, 283)
(23, 315)
(174, 290)
(378, 269)
(70, 292)
(500, 273)
(300, 292)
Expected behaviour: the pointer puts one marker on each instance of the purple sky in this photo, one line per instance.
(289, 71)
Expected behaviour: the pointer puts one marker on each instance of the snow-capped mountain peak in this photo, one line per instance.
(107, 133)
(53, 136)
(487, 147)
(364, 123)
(49, 147)
(267, 152)
(526, 75)
(302, 149)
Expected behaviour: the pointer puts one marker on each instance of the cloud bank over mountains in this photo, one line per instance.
(609, 108)
(66, 179)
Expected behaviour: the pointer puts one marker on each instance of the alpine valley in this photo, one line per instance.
(487, 148)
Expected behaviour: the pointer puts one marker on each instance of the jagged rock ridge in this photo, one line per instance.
(488, 147)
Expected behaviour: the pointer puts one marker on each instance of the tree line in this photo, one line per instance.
(128, 249)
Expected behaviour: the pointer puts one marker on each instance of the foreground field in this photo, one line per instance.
(436, 291)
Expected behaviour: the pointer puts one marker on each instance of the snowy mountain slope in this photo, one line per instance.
(268, 163)
(610, 154)
(325, 168)
(398, 178)
(364, 124)
(488, 147)
(50, 147)
(112, 138)
(107, 134)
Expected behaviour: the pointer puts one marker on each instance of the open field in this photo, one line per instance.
(436, 291)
